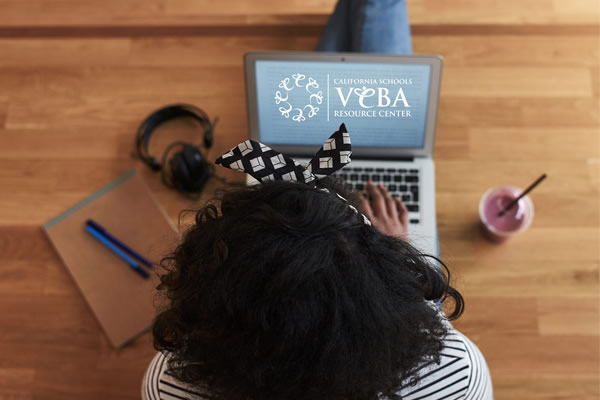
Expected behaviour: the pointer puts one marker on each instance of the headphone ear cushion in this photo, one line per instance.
(189, 169)
(180, 173)
(194, 161)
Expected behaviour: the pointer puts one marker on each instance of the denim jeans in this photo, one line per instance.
(368, 26)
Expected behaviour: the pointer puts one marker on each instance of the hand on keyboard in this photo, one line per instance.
(388, 215)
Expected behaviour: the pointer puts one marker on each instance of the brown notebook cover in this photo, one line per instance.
(121, 299)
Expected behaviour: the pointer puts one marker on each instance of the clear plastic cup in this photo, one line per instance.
(515, 220)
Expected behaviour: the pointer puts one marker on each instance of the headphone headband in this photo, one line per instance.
(168, 113)
(187, 170)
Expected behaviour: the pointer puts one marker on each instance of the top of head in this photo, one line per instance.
(288, 272)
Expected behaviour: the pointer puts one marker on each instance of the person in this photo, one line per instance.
(287, 291)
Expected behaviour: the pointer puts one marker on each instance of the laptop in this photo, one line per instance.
(388, 103)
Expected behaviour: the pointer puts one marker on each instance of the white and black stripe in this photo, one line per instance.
(461, 374)
(159, 384)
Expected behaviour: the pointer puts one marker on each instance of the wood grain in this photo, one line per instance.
(232, 12)
(520, 96)
(517, 81)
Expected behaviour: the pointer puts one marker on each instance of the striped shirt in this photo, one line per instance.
(461, 374)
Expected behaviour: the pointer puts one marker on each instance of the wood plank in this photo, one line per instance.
(151, 13)
(95, 112)
(452, 142)
(275, 26)
(127, 113)
(595, 77)
(537, 246)
(49, 143)
(465, 50)
(16, 383)
(594, 171)
(25, 244)
(3, 112)
(140, 82)
(22, 277)
(520, 279)
(549, 28)
(203, 51)
(556, 315)
(116, 375)
(519, 144)
(69, 332)
(576, 7)
(511, 50)
(535, 385)
(177, 12)
(510, 11)
(481, 317)
(207, 7)
(545, 354)
(214, 26)
(516, 82)
(60, 52)
(499, 172)
(518, 112)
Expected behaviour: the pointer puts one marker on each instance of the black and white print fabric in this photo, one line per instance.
(266, 164)
(333, 155)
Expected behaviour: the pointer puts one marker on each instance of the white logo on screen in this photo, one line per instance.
(307, 97)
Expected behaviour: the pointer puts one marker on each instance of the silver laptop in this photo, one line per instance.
(389, 106)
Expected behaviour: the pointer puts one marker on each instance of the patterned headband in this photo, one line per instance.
(266, 165)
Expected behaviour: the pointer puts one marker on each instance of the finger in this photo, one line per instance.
(377, 200)
(390, 205)
(364, 206)
(402, 212)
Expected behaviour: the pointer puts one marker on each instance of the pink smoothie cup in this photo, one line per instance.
(515, 220)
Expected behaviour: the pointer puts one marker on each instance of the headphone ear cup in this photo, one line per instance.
(194, 161)
(189, 169)
(168, 113)
(180, 174)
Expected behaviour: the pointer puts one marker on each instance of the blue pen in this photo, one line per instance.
(118, 243)
(117, 251)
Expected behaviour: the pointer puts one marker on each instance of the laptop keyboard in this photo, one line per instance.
(402, 183)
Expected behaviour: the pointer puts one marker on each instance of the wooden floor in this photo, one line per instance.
(520, 97)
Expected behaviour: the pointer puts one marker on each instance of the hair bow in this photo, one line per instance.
(266, 164)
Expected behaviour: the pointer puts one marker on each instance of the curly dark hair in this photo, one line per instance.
(280, 291)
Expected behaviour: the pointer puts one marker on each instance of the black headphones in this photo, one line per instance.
(188, 169)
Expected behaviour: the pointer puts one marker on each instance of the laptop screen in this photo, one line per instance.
(303, 102)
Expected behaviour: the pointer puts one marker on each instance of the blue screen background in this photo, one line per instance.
(376, 129)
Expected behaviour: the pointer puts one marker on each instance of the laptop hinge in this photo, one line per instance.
(405, 159)
(371, 158)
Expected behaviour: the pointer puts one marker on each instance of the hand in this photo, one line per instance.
(388, 215)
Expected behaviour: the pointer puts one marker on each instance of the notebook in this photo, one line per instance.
(388, 104)
(121, 300)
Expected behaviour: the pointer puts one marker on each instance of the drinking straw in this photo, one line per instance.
(515, 201)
